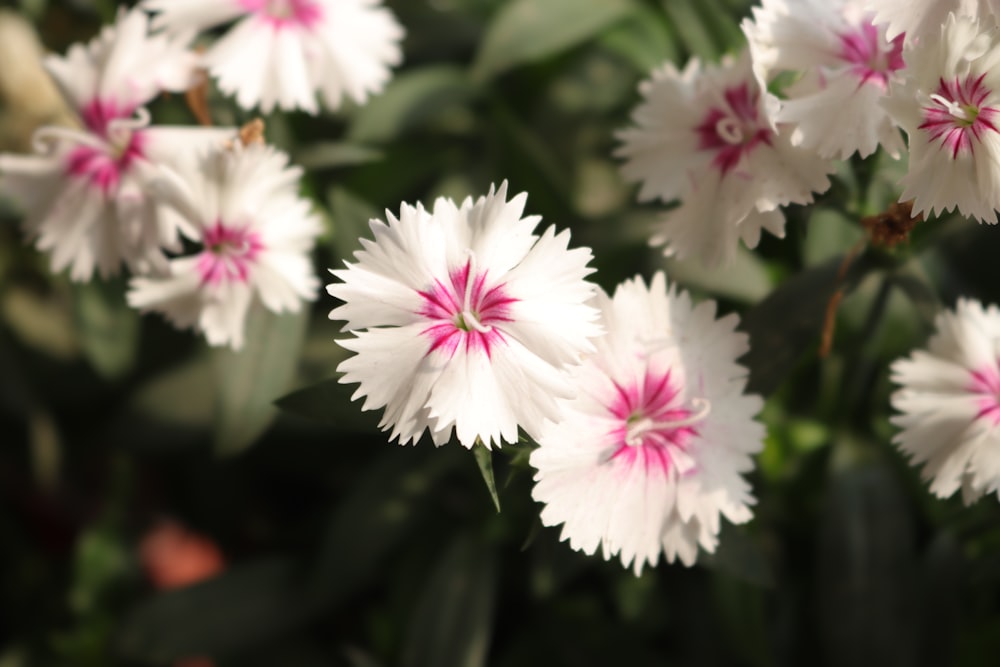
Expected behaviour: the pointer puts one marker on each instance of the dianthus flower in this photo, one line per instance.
(920, 20)
(846, 64)
(280, 52)
(84, 192)
(464, 319)
(239, 204)
(652, 450)
(706, 136)
(949, 105)
(949, 400)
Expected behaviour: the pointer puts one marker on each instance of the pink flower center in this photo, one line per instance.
(734, 128)
(110, 147)
(655, 427)
(957, 115)
(229, 254)
(463, 312)
(986, 383)
(870, 56)
(286, 13)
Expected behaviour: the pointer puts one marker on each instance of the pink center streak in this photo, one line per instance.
(648, 410)
(303, 14)
(957, 115)
(986, 383)
(870, 57)
(229, 254)
(104, 166)
(734, 128)
(455, 309)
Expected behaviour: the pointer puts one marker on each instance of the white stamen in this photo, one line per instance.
(467, 315)
(952, 107)
(44, 135)
(729, 130)
(637, 430)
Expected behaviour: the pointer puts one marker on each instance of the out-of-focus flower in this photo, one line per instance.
(174, 556)
(281, 52)
(949, 105)
(465, 319)
(847, 64)
(706, 136)
(920, 20)
(84, 190)
(240, 205)
(949, 403)
(652, 450)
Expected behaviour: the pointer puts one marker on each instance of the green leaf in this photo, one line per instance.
(744, 279)
(351, 215)
(330, 402)
(525, 31)
(741, 555)
(691, 29)
(409, 100)
(383, 508)
(453, 620)
(249, 380)
(331, 154)
(107, 326)
(484, 459)
(643, 40)
(790, 319)
(245, 606)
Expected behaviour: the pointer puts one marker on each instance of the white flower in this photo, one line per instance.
(465, 319)
(281, 52)
(84, 191)
(652, 451)
(920, 20)
(847, 64)
(706, 136)
(949, 400)
(240, 205)
(949, 106)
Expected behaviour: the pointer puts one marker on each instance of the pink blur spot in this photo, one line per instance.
(872, 59)
(443, 305)
(103, 168)
(304, 14)
(740, 114)
(229, 254)
(986, 383)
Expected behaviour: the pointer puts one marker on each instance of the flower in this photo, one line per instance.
(705, 136)
(281, 52)
(84, 191)
(174, 556)
(653, 448)
(949, 403)
(465, 319)
(240, 206)
(847, 64)
(949, 107)
(920, 20)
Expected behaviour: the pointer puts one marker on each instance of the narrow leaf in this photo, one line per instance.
(248, 381)
(330, 154)
(484, 459)
(453, 620)
(108, 328)
(525, 31)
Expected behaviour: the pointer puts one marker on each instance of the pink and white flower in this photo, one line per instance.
(84, 190)
(949, 106)
(653, 449)
(281, 52)
(240, 206)
(949, 403)
(846, 64)
(706, 136)
(465, 320)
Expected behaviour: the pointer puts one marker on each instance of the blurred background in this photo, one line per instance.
(156, 508)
